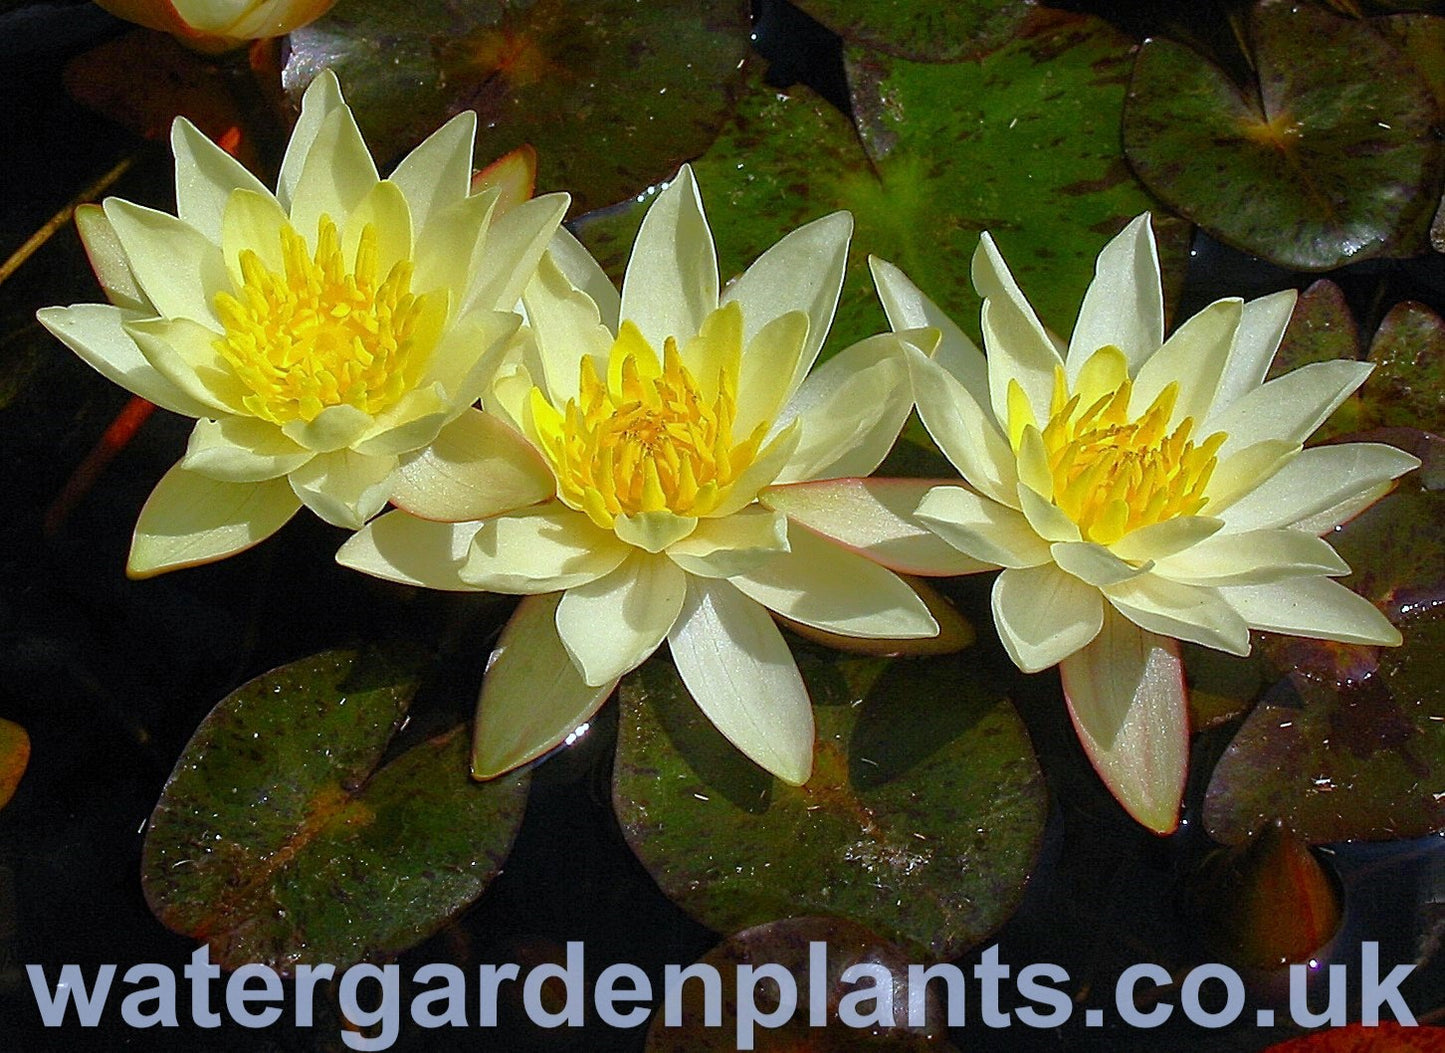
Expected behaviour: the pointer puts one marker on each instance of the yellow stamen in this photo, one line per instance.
(647, 439)
(320, 334)
(1113, 474)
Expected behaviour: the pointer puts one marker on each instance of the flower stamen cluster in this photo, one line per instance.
(321, 334)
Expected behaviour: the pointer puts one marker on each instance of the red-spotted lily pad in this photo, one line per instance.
(922, 819)
(1022, 143)
(1407, 388)
(807, 957)
(14, 758)
(613, 94)
(281, 837)
(923, 30)
(1327, 159)
(1385, 1037)
(1352, 744)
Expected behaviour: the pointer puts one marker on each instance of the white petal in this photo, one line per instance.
(514, 244)
(241, 450)
(908, 308)
(344, 488)
(1158, 540)
(1317, 480)
(828, 587)
(737, 544)
(654, 531)
(108, 260)
(584, 273)
(478, 467)
(1288, 408)
(1261, 327)
(741, 674)
(532, 696)
(545, 548)
(95, 332)
(963, 430)
(1193, 357)
(765, 371)
(609, 626)
(190, 519)
(176, 266)
(1017, 345)
(451, 250)
(337, 175)
(1047, 519)
(323, 96)
(566, 327)
(184, 353)
(1186, 612)
(333, 429)
(1125, 694)
(801, 272)
(875, 518)
(438, 173)
(852, 409)
(1124, 304)
(1314, 607)
(984, 530)
(1244, 470)
(401, 548)
(384, 209)
(205, 178)
(1253, 557)
(672, 283)
(1093, 564)
(1044, 615)
(408, 424)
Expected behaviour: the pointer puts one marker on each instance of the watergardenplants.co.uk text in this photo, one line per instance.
(767, 995)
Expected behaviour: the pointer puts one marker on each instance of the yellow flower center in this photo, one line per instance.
(652, 437)
(1111, 473)
(319, 334)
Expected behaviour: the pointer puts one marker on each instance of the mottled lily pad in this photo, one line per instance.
(923, 30)
(812, 954)
(1021, 143)
(922, 819)
(614, 94)
(14, 758)
(1407, 388)
(1384, 1037)
(1329, 158)
(281, 837)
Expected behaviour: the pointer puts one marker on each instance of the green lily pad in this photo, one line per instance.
(793, 945)
(1021, 143)
(281, 838)
(1422, 37)
(14, 758)
(924, 30)
(613, 94)
(1222, 686)
(922, 820)
(1407, 388)
(1328, 159)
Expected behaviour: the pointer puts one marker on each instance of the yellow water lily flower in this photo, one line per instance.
(219, 25)
(1136, 491)
(696, 476)
(322, 335)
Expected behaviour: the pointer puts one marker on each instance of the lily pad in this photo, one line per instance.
(281, 838)
(1328, 159)
(613, 94)
(14, 758)
(922, 820)
(796, 946)
(1385, 1037)
(1407, 388)
(1021, 143)
(924, 30)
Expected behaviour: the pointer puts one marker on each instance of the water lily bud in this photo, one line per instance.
(213, 26)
